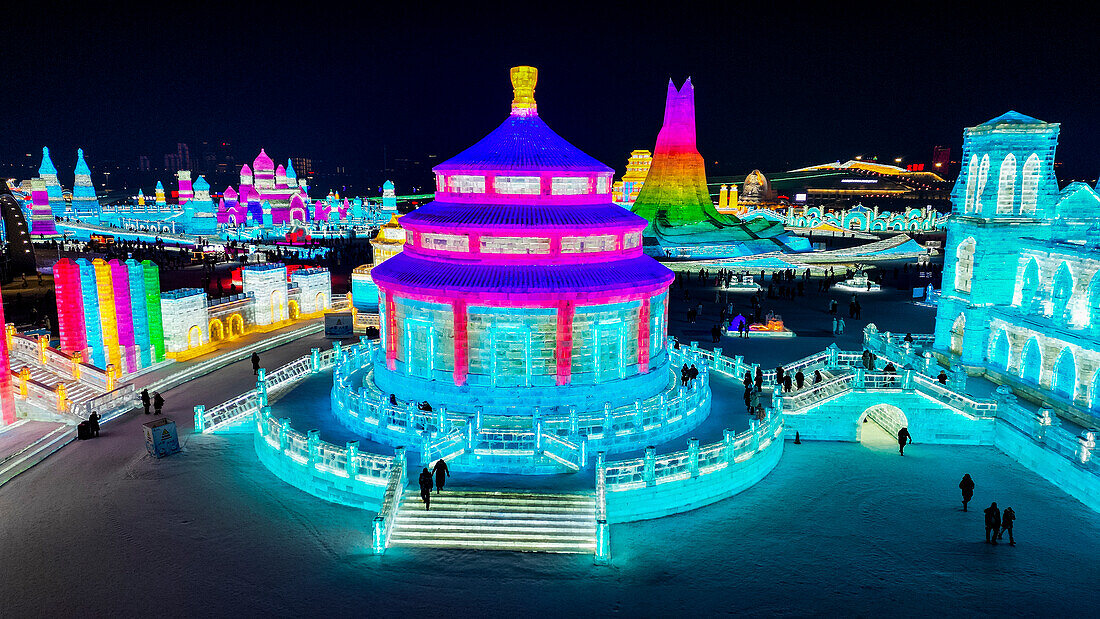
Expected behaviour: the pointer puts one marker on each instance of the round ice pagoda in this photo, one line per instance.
(523, 308)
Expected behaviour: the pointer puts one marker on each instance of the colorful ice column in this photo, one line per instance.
(107, 319)
(139, 312)
(152, 309)
(124, 316)
(70, 306)
(185, 190)
(42, 221)
(7, 397)
(92, 323)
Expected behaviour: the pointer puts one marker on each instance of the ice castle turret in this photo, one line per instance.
(48, 173)
(84, 202)
(389, 197)
(1006, 190)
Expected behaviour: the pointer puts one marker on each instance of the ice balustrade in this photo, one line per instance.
(109, 405)
(267, 385)
(326, 459)
(696, 460)
(1046, 429)
(960, 401)
(370, 406)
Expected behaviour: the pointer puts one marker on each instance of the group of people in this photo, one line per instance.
(157, 400)
(688, 375)
(442, 472)
(997, 523)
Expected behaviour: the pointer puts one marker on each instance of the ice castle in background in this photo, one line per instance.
(676, 202)
(1021, 290)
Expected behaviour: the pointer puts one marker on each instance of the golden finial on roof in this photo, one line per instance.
(523, 87)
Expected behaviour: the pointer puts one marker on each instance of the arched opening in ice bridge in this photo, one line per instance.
(879, 425)
(1031, 361)
(1030, 300)
(964, 264)
(217, 330)
(1029, 186)
(1064, 380)
(957, 329)
(998, 351)
(1061, 293)
(1006, 185)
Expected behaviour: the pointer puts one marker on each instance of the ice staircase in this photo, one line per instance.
(497, 520)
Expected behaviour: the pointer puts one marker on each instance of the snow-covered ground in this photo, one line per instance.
(102, 529)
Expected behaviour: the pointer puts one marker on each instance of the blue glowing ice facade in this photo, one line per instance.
(1020, 294)
(84, 201)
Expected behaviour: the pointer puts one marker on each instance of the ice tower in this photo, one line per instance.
(522, 289)
(84, 203)
(48, 173)
(676, 202)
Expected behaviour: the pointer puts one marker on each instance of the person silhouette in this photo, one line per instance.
(967, 487)
(442, 472)
(903, 438)
(255, 363)
(993, 523)
(1007, 519)
(426, 488)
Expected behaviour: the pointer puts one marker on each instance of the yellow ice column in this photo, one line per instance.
(105, 287)
(723, 198)
(523, 89)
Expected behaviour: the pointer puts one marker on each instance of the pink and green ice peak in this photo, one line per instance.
(675, 199)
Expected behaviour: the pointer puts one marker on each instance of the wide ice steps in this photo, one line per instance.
(491, 520)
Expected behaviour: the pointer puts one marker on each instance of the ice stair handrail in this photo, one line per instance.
(109, 405)
(391, 502)
(954, 399)
(565, 452)
(285, 377)
(839, 383)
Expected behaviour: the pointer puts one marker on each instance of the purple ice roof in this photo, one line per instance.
(522, 143)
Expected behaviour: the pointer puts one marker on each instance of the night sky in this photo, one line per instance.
(774, 89)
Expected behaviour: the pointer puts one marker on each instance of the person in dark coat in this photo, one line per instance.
(255, 363)
(693, 373)
(817, 376)
(442, 472)
(145, 400)
(1006, 525)
(685, 374)
(787, 383)
(93, 423)
(748, 380)
(759, 378)
(993, 523)
(158, 402)
(967, 487)
(426, 487)
(903, 438)
(942, 377)
(799, 379)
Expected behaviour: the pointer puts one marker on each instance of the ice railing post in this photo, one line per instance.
(603, 531)
(200, 410)
(649, 468)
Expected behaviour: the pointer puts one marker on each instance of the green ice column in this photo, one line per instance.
(152, 308)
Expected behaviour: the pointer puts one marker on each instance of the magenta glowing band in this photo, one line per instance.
(120, 279)
(462, 344)
(643, 337)
(515, 299)
(564, 342)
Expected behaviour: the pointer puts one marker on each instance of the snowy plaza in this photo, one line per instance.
(446, 361)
